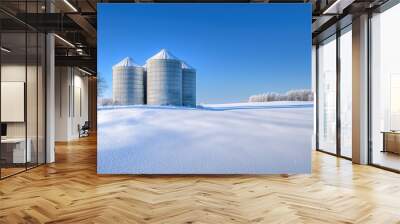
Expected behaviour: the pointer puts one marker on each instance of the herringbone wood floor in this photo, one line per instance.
(70, 191)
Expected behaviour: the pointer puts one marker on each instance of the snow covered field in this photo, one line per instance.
(241, 138)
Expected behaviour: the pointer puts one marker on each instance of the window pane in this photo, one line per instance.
(327, 95)
(385, 83)
(346, 92)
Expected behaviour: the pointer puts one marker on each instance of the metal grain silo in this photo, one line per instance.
(145, 83)
(128, 83)
(164, 79)
(188, 85)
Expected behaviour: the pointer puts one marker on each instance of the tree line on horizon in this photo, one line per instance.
(291, 95)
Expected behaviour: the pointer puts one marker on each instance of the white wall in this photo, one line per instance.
(71, 87)
(62, 82)
(80, 109)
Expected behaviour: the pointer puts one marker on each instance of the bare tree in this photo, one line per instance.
(102, 85)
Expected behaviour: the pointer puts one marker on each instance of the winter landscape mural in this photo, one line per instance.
(201, 89)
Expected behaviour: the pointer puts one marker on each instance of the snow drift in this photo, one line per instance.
(241, 138)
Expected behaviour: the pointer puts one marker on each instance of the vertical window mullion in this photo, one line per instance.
(26, 86)
(317, 95)
(338, 81)
(369, 95)
(37, 89)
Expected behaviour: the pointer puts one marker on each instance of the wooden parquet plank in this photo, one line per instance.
(70, 191)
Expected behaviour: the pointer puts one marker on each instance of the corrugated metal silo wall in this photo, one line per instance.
(145, 86)
(128, 85)
(189, 87)
(164, 82)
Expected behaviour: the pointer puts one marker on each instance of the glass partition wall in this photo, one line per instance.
(22, 98)
(13, 89)
(385, 89)
(334, 78)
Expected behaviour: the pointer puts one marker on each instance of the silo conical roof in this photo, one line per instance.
(163, 54)
(186, 65)
(126, 62)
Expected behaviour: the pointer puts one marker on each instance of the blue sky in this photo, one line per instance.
(237, 49)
